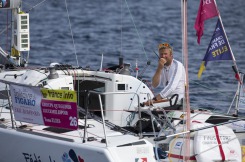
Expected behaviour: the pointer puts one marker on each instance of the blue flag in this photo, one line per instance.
(218, 48)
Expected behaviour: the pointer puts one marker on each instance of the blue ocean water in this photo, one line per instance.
(132, 29)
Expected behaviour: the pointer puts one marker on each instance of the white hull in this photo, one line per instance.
(26, 145)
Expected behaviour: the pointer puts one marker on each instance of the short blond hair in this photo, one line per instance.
(165, 46)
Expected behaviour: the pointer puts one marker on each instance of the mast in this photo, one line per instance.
(186, 105)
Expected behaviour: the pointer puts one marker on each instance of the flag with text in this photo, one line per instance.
(218, 48)
(207, 9)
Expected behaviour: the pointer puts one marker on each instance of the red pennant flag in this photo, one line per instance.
(207, 10)
(237, 76)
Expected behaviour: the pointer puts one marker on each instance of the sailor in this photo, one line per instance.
(170, 74)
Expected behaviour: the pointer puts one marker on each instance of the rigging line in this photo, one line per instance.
(140, 43)
(216, 90)
(156, 54)
(100, 120)
(35, 5)
(4, 29)
(136, 29)
(68, 16)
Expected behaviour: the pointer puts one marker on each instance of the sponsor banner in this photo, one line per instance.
(26, 104)
(59, 95)
(57, 108)
(59, 114)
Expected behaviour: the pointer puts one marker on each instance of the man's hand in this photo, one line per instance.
(156, 99)
(161, 63)
(156, 77)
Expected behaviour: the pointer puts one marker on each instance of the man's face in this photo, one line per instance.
(166, 54)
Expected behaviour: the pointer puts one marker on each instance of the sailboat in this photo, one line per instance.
(69, 113)
(61, 131)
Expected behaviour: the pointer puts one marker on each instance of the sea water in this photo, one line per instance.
(132, 30)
